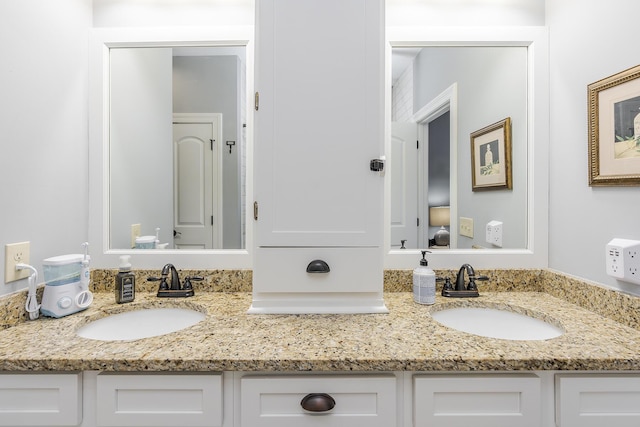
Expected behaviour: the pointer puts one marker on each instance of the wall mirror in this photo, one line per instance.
(177, 147)
(439, 96)
(442, 85)
(170, 146)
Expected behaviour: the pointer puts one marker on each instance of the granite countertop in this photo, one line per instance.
(405, 339)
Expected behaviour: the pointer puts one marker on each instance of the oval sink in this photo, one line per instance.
(496, 323)
(145, 323)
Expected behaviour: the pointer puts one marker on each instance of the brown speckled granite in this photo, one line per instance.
(214, 280)
(405, 339)
(499, 280)
(602, 330)
(617, 306)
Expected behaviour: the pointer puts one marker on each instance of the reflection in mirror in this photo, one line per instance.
(177, 147)
(440, 95)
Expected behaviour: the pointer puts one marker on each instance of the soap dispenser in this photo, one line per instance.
(125, 281)
(424, 283)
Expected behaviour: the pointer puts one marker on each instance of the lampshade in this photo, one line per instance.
(439, 215)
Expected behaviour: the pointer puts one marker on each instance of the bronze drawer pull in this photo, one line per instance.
(318, 266)
(318, 402)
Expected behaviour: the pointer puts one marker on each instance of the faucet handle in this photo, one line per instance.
(472, 282)
(163, 282)
(447, 285)
(187, 282)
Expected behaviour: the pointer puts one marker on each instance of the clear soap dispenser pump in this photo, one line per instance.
(424, 282)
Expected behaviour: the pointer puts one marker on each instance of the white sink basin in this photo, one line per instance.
(496, 323)
(143, 323)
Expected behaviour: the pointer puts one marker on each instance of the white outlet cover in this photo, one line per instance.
(614, 261)
(623, 260)
(494, 233)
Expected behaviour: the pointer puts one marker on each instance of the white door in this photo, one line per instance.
(319, 123)
(197, 207)
(404, 185)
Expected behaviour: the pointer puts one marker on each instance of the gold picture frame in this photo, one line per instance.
(614, 129)
(491, 157)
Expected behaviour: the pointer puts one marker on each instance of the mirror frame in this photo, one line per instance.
(101, 40)
(535, 255)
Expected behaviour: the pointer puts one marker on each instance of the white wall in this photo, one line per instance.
(402, 97)
(465, 12)
(132, 13)
(141, 149)
(43, 110)
(43, 128)
(589, 40)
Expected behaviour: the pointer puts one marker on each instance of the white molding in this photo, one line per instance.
(101, 41)
(318, 303)
(447, 101)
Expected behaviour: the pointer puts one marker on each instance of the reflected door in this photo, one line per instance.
(197, 195)
(404, 185)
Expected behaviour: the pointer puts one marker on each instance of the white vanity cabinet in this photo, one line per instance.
(143, 399)
(480, 400)
(40, 399)
(345, 400)
(318, 125)
(596, 400)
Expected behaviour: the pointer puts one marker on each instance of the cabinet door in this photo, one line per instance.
(277, 401)
(597, 400)
(41, 399)
(159, 400)
(477, 400)
(319, 122)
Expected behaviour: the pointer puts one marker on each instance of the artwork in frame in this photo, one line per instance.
(614, 129)
(491, 157)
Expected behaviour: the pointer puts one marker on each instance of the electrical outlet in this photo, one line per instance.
(494, 233)
(614, 260)
(135, 232)
(15, 253)
(623, 260)
(466, 227)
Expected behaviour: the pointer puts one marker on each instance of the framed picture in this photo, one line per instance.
(491, 157)
(614, 129)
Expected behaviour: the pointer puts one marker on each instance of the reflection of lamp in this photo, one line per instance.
(439, 215)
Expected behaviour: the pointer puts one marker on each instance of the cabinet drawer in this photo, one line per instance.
(597, 400)
(159, 399)
(359, 401)
(351, 270)
(40, 399)
(479, 400)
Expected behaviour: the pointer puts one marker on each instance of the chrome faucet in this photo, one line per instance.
(174, 289)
